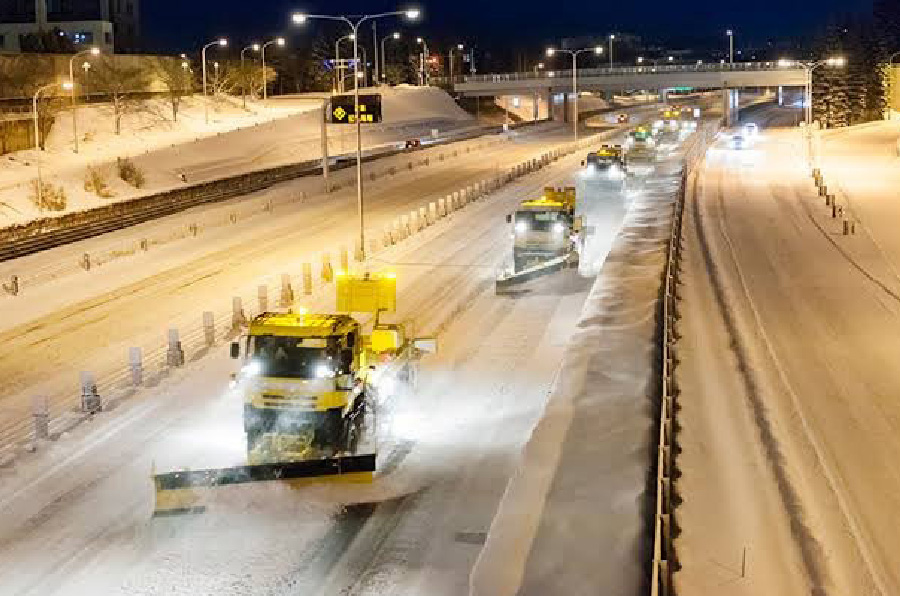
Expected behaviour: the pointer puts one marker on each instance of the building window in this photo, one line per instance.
(83, 37)
(108, 37)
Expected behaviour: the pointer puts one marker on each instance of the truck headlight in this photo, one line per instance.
(252, 368)
(559, 228)
(521, 227)
(323, 371)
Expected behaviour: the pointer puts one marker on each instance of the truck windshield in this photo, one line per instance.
(540, 221)
(289, 357)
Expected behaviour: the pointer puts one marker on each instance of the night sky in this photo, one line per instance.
(181, 25)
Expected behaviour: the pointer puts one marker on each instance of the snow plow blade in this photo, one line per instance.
(510, 279)
(187, 491)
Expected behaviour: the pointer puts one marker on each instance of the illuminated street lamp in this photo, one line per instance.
(221, 42)
(810, 66)
(394, 35)
(423, 74)
(66, 86)
(574, 53)
(280, 42)
(95, 51)
(612, 38)
(354, 22)
(254, 47)
(459, 47)
(338, 68)
(730, 34)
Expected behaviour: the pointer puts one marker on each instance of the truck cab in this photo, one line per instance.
(301, 376)
(543, 228)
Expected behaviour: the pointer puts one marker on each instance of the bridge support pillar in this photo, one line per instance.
(730, 105)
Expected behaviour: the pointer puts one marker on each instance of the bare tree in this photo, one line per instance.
(178, 80)
(123, 84)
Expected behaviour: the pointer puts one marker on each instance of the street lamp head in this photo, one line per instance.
(223, 42)
(280, 41)
(183, 56)
(95, 51)
(255, 47)
(598, 50)
(729, 32)
(298, 18)
(640, 60)
(671, 58)
(550, 52)
(459, 46)
(412, 14)
(612, 37)
(420, 40)
(837, 61)
(351, 37)
(396, 35)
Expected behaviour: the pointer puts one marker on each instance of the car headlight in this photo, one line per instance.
(521, 227)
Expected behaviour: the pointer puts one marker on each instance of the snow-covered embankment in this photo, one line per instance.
(574, 517)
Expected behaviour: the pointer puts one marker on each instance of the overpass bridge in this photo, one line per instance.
(546, 84)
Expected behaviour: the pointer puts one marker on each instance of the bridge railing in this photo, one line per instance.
(614, 71)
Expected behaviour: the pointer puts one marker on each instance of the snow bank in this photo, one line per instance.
(573, 519)
(283, 131)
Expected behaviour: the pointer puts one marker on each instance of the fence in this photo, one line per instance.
(53, 415)
(664, 558)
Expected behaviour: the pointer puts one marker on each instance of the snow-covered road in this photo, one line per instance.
(787, 384)
(75, 516)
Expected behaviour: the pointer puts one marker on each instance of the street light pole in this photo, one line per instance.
(730, 34)
(810, 67)
(459, 47)
(423, 67)
(299, 19)
(92, 51)
(612, 38)
(890, 62)
(574, 53)
(37, 134)
(255, 48)
(221, 42)
(280, 42)
(394, 35)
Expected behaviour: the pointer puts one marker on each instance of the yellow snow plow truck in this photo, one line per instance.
(544, 231)
(308, 383)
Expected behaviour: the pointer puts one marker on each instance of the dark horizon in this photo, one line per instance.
(675, 24)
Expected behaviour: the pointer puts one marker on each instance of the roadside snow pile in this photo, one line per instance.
(573, 519)
(169, 154)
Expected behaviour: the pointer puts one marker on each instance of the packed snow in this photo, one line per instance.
(788, 370)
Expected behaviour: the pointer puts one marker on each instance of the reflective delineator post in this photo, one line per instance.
(262, 298)
(287, 291)
(136, 364)
(90, 398)
(209, 328)
(238, 318)
(327, 270)
(40, 412)
(174, 354)
(307, 279)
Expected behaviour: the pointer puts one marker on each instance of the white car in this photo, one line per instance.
(751, 130)
(739, 141)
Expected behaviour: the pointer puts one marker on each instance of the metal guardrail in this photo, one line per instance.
(664, 559)
(616, 71)
(21, 240)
